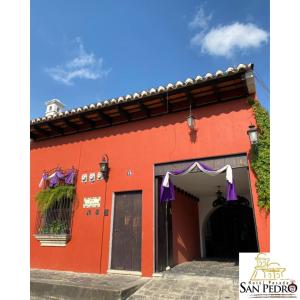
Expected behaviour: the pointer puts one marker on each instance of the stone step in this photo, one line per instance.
(193, 288)
(46, 284)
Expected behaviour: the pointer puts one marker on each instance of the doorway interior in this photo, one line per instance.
(200, 224)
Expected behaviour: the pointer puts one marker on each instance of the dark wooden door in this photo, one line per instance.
(127, 228)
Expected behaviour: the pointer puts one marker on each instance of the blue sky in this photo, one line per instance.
(83, 52)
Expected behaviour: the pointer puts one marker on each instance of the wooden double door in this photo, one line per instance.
(127, 229)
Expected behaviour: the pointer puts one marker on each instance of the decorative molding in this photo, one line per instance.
(124, 272)
(53, 240)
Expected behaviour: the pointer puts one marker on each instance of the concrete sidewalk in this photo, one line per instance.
(205, 279)
(47, 284)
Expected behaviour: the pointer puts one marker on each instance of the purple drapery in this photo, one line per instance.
(55, 179)
(69, 179)
(231, 192)
(43, 180)
(168, 193)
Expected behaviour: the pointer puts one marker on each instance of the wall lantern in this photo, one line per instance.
(104, 167)
(253, 134)
(191, 120)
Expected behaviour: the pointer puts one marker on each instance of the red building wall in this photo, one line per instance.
(135, 146)
(185, 228)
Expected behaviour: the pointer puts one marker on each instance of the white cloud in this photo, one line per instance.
(201, 20)
(228, 39)
(83, 65)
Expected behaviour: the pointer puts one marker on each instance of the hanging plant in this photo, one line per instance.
(49, 196)
(260, 158)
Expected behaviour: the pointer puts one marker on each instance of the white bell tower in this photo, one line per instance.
(54, 107)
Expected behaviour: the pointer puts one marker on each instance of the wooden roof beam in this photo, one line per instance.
(55, 128)
(144, 109)
(32, 136)
(216, 92)
(42, 131)
(84, 119)
(167, 105)
(191, 99)
(124, 113)
(70, 124)
(104, 117)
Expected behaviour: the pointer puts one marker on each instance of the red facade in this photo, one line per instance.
(137, 146)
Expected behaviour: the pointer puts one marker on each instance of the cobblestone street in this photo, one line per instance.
(193, 280)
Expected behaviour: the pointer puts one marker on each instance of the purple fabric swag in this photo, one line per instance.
(69, 179)
(55, 179)
(168, 193)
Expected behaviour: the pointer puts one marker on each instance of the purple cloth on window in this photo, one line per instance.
(69, 178)
(43, 181)
(55, 179)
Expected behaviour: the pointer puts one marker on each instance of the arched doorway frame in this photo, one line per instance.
(207, 218)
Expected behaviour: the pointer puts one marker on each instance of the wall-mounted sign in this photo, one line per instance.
(91, 202)
(100, 176)
(84, 178)
(92, 177)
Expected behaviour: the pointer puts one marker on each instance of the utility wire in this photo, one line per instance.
(262, 84)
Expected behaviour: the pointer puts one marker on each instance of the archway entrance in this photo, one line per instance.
(186, 230)
(229, 230)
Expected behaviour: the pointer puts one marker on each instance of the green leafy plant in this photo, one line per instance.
(260, 156)
(46, 198)
(56, 227)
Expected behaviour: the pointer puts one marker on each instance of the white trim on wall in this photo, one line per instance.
(111, 230)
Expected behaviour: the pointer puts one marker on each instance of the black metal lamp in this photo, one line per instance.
(104, 167)
(220, 199)
(253, 134)
(191, 120)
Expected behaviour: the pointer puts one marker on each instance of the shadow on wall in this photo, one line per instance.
(201, 113)
(185, 227)
(193, 135)
(184, 253)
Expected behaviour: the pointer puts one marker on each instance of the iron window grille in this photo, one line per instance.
(57, 219)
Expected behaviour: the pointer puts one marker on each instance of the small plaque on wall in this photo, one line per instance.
(84, 178)
(91, 202)
(92, 177)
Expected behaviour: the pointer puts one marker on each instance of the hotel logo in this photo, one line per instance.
(268, 280)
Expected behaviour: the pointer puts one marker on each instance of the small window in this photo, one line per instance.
(50, 107)
(55, 203)
(56, 219)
